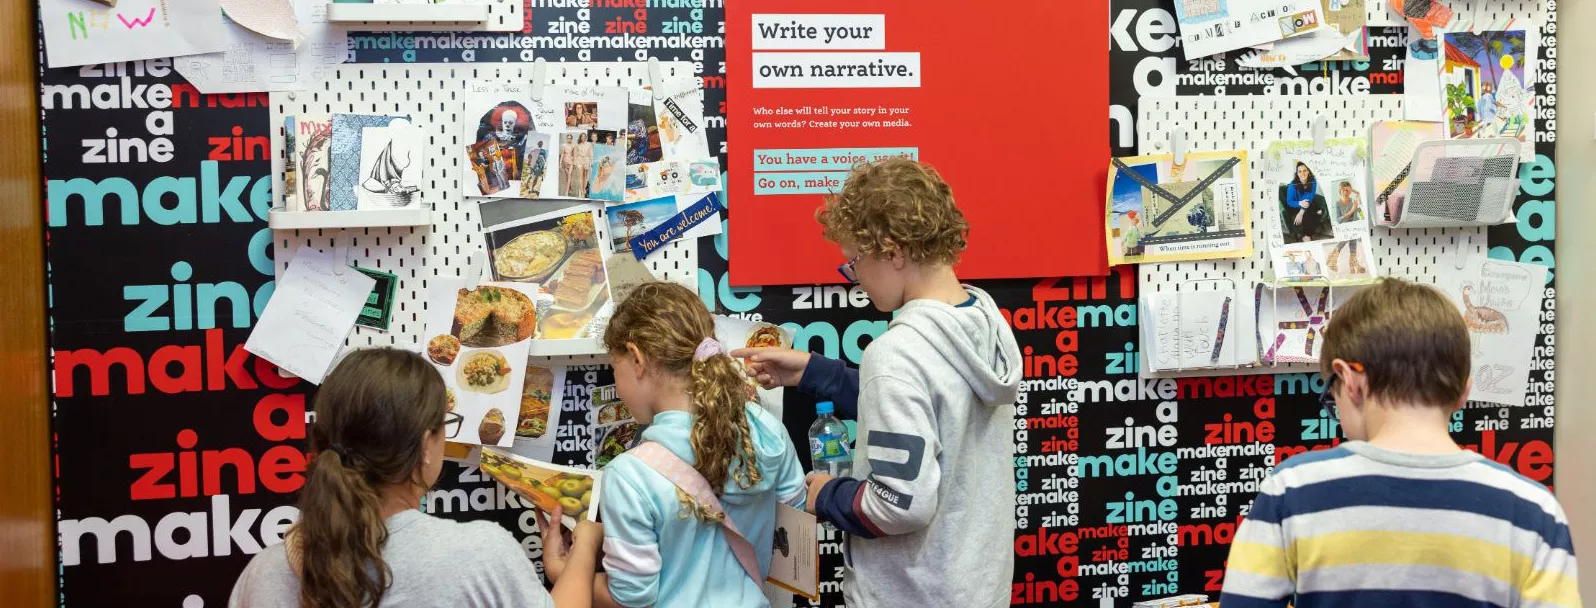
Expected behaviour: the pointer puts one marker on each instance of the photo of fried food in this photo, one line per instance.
(768, 336)
(443, 348)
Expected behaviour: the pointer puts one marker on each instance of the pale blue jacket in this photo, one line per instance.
(656, 555)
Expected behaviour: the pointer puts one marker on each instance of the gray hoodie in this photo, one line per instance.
(936, 419)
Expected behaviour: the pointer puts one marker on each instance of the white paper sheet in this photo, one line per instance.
(391, 163)
(254, 62)
(82, 32)
(1421, 84)
(1200, 330)
(1501, 304)
(310, 314)
(1210, 27)
(274, 18)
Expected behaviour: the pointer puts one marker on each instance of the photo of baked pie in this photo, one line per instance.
(493, 316)
(531, 256)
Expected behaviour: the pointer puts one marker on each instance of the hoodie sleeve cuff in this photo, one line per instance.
(832, 380)
(839, 503)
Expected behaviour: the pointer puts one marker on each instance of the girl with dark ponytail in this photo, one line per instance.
(665, 546)
(361, 540)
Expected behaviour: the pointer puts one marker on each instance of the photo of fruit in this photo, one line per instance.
(546, 486)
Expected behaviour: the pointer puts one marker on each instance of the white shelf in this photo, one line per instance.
(282, 219)
(340, 12)
(566, 348)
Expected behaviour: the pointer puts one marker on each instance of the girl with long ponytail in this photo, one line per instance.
(361, 540)
(665, 546)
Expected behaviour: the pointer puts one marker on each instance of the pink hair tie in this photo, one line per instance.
(708, 348)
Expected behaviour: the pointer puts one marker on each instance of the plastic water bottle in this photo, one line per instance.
(830, 449)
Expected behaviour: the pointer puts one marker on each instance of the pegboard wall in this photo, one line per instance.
(434, 96)
(1252, 123)
(1482, 13)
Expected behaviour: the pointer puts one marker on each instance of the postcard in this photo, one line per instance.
(478, 339)
(1488, 85)
(547, 486)
(629, 220)
(1501, 303)
(1210, 27)
(310, 315)
(1392, 145)
(1160, 212)
(560, 253)
(391, 161)
(348, 134)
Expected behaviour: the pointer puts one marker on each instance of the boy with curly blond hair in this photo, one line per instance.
(931, 501)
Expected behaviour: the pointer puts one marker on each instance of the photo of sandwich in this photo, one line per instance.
(766, 336)
(536, 396)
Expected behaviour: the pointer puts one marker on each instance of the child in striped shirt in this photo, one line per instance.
(1399, 515)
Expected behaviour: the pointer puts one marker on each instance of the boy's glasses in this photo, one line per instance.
(847, 271)
(451, 424)
(1327, 399)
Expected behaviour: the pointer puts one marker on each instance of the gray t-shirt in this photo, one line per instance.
(435, 562)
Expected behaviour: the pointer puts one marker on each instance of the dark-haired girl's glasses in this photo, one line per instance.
(451, 424)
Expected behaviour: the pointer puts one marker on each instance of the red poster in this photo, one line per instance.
(1008, 101)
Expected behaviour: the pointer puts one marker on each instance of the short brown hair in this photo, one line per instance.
(1409, 338)
(900, 204)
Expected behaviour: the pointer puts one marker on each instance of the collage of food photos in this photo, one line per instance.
(546, 486)
(1162, 212)
(614, 429)
(479, 339)
(1321, 230)
(558, 253)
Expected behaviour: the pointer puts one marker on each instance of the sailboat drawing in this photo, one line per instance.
(385, 183)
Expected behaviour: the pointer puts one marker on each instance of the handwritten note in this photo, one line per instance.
(256, 61)
(83, 32)
(1501, 304)
(310, 314)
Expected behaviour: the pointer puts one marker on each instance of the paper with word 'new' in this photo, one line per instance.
(83, 32)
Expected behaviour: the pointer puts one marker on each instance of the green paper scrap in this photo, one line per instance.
(379, 303)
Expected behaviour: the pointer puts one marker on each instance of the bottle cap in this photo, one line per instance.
(825, 408)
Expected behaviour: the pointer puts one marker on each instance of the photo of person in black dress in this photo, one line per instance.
(1304, 215)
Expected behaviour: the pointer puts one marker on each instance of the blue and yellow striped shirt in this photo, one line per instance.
(1358, 525)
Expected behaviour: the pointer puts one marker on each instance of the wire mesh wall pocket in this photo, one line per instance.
(433, 95)
(1252, 123)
